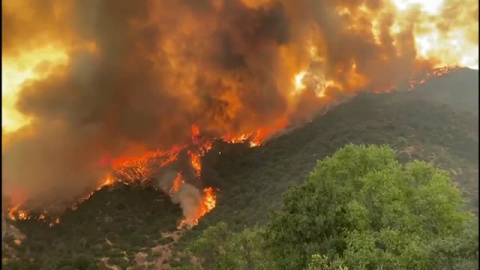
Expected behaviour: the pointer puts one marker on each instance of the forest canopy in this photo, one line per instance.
(358, 209)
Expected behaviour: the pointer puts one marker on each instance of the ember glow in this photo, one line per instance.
(414, 81)
(91, 90)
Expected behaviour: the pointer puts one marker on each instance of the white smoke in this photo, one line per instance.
(187, 195)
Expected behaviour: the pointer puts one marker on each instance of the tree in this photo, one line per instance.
(220, 248)
(321, 262)
(363, 207)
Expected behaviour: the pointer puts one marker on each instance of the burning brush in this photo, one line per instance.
(176, 171)
(90, 87)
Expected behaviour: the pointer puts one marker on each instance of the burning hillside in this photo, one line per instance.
(93, 89)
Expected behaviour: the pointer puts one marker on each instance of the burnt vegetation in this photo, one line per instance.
(437, 123)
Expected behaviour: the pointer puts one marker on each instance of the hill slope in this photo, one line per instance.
(438, 122)
(428, 123)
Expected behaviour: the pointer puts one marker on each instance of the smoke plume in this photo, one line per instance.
(134, 76)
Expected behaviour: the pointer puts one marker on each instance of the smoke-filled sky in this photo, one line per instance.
(86, 79)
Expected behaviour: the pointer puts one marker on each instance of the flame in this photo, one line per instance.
(57, 221)
(108, 181)
(16, 213)
(141, 168)
(430, 6)
(207, 204)
(22, 215)
(12, 213)
(131, 169)
(256, 138)
(298, 81)
(196, 163)
(435, 43)
(439, 72)
(176, 184)
(419, 79)
(452, 48)
(17, 70)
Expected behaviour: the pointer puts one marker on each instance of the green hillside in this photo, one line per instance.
(437, 122)
(422, 124)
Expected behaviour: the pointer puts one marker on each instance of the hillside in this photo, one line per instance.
(423, 124)
(437, 122)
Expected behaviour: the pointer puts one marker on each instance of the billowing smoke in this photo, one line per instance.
(182, 192)
(136, 75)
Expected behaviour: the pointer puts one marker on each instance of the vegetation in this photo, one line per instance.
(220, 249)
(436, 123)
(423, 124)
(360, 209)
(115, 223)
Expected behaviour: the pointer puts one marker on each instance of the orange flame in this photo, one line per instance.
(22, 215)
(196, 163)
(439, 72)
(419, 79)
(12, 213)
(432, 41)
(108, 181)
(176, 184)
(132, 169)
(15, 213)
(141, 168)
(207, 204)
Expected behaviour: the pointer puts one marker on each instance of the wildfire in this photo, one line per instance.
(143, 167)
(57, 221)
(18, 70)
(439, 72)
(15, 213)
(419, 79)
(232, 74)
(254, 139)
(298, 81)
(132, 169)
(207, 203)
(108, 182)
(12, 213)
(176, 184)
(196, 163)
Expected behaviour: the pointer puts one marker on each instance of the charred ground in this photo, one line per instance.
(437, 122)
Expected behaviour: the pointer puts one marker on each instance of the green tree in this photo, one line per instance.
(321, 262)
(455, 252)
(219, 248)
(362, 206)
